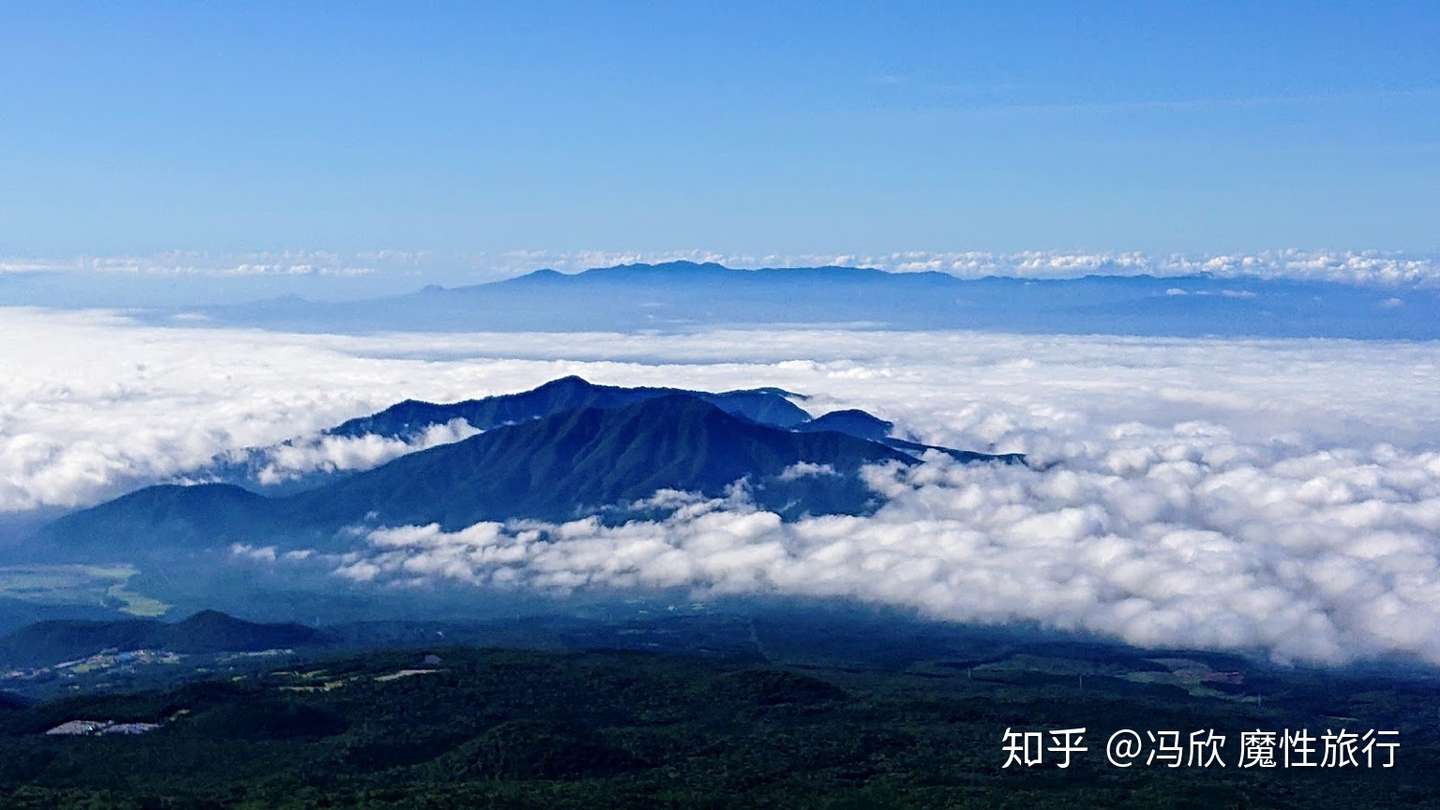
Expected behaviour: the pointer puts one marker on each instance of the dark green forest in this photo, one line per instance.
(472, 727)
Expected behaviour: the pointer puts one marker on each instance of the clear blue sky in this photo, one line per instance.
(132, 127)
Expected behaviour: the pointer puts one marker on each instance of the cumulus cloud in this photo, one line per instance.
(324, 453)
(805, 469)
(268, 554)
(1169, 538)
(257, 553)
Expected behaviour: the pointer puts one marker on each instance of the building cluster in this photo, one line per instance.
(96, 728)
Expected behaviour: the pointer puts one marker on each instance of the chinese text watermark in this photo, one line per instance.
(1285, 748)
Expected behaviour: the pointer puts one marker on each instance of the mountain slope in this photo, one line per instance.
(164, 512)
(409, 420)
(559, 467)
(865, 426)
(571, 464)
(51, 642)
(852, 422)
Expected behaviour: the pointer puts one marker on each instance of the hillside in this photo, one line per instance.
(408, 420)
(560, 467)
(573, 463)
(51, 642)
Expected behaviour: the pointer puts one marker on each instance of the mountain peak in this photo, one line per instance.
(667, 269)
(570, 382)
(581, 461)
(210, 617)
(541, 275)
(208, 631)
(853, 422)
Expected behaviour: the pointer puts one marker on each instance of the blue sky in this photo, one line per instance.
(132, 128)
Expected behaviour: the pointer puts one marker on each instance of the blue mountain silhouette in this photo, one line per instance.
(686, 295)
(571, 463)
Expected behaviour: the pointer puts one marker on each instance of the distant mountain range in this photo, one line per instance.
(51, 642)
(686, 295)
(565, 450)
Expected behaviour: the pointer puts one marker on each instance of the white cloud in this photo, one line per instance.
(805, 469)
(1320, 557)
(91, 403)
(256, 553)
(323, 453)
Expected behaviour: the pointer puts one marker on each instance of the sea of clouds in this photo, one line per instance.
(1279, 496)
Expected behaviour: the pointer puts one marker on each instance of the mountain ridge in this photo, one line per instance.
(670, 442)
(686, 296)
(770, 406)
(408, 420)
(205, 632)
(559, 467)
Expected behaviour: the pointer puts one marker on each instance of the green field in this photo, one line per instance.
(96, 586)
